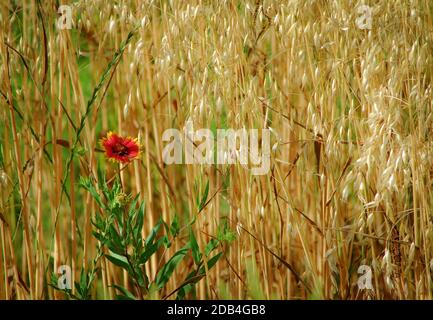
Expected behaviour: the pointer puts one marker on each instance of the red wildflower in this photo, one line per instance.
(120, 149)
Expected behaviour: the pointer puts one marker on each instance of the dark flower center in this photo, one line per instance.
(120, 150)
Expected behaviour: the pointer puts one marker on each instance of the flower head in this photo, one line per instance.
(120, 149)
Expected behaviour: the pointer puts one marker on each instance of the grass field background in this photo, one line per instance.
(350, 111)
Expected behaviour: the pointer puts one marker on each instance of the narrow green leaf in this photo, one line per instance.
(153, 233)
(175, 227)
(167, 270)
(139, 222)
(118, 260)
(126, 295)
(87, 184)
(204, 197)
(194, 247)
(150, 250)
(211, 245)
(211, 262)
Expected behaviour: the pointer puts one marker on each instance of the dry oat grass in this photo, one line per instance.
(351, 115)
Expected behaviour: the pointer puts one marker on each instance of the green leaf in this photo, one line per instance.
(194, 247)
(175, 227)
(224, 233)
(195, 276)
(87, 184)
(142, 279)
(153, 233)
(115, 239)
(184, 291)
(126, 295)
(139, 222)
(99, 237)
(166, 241)
(132, 211)
(101, 179)
(80, 151)
(98, 222)
(150, 250)
(211, 245)
(188, 285)
(167, 270)
(211, 262)
(83, 279)
(118, 260)
(135, 219)
(78, 289)
(204, 197)
(114, 247)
